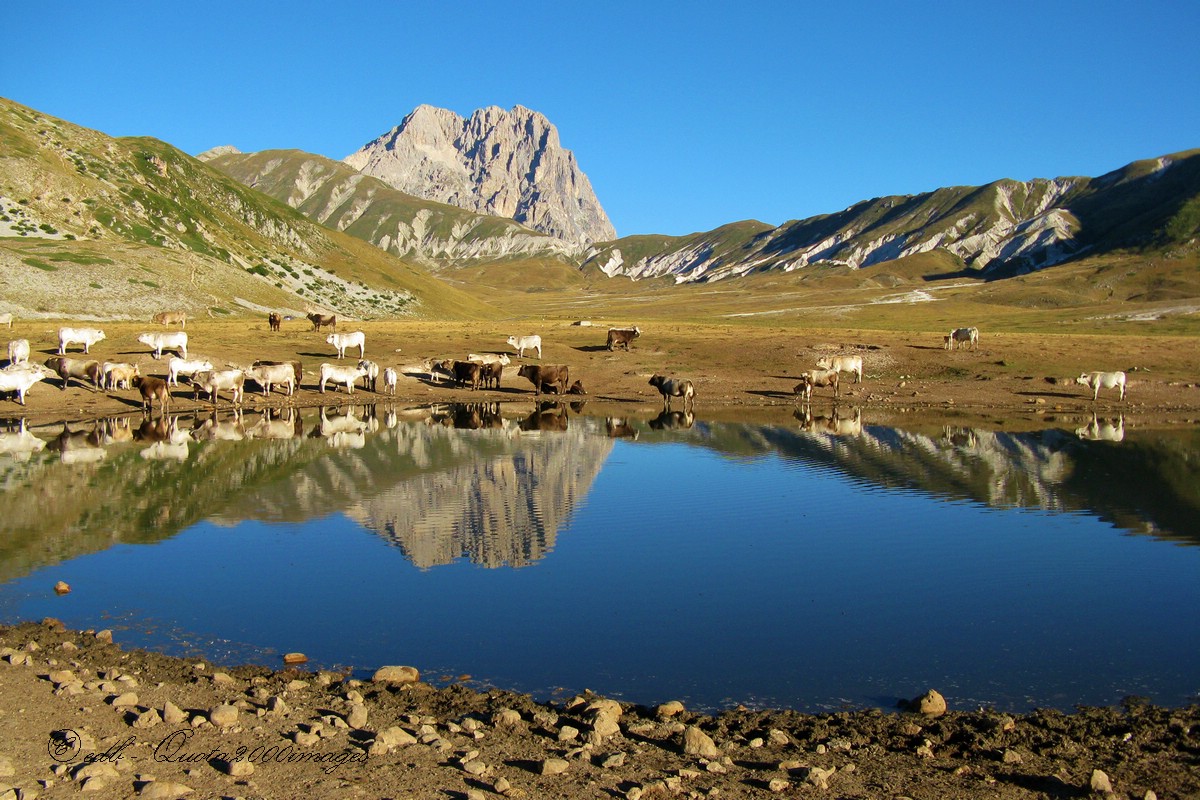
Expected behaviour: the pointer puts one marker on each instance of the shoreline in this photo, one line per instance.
(250, 730)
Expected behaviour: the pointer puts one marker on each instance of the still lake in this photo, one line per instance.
(822, 564)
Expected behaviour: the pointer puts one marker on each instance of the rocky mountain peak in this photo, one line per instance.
(496, 162)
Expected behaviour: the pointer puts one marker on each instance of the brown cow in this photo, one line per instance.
(152, 389)
(622, 337)
(814, 378)
(463, 372)
(491, 374)
(318, 320)
(67, 368)
(674, 387)
(170, 318)
(274, 320)
(546, 376)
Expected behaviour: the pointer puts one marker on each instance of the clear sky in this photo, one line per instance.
(685, 116)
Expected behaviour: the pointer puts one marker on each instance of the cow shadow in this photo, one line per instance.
(771, 394)
(1063, 395)
(592, 348)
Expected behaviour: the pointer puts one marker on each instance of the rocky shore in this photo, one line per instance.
(78, 713)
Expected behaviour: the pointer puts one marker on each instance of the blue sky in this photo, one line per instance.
(685, 116)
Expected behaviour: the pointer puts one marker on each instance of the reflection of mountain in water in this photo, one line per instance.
(495, 510)
(498, 495)
(1150, 482)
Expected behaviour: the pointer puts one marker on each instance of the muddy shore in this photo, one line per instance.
(80, 713)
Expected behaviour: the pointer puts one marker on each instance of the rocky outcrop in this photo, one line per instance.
(433, 234)
(500, 163)
(1004, 228)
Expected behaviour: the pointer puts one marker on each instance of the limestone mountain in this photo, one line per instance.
(496, 162)
(118, 227)
(1004, 228)
(430, 233)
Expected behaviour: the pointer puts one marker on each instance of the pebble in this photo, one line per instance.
(931, 704)
(1100, 782)
(698, 743)
(223, 716)
(236, 768)
(164, 790)
(671, 708)
(294, 658)
(396, 674)
(173, 714)
(124, 700)
(357, 718)
(147, 719)
(554, 766)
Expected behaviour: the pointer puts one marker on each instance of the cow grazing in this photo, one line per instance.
(963, 336)
(84, 336)
(372, 376)
(7, 319)
(852, 364)
(268, 375)
(1102, 380)
(274, 320)
(225, 380)
(79, 369)
(151, 389)
(675, 387)
(814, 378)
(341, 341)
(113, 373)
(389, 379)
(523, 343)
(20, 380)
(157, 342)
(177, 366)
(322, 320)
(170, 318)
(18, 351)
(622, 337)
(550, 377)
(339, 374)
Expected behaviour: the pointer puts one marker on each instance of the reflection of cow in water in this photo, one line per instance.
(547, 417)
(471, 416)
(836, 424)
(672, 420)
(1107, 430)
(620, 428)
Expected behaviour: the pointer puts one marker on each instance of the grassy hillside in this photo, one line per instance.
(93, 225)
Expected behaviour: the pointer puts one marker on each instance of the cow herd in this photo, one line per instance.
(476, 371)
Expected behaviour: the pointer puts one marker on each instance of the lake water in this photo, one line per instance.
(821, 564)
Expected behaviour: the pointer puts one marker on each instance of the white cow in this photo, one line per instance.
(177, 366)
(20, 444)
(843, 364)
(489, 358)
(266, 375)
(20, 380)
(84, 336)
(1103, 431)
(962, 335)
(213, 381)
(341, 341)
(1102, 380)
(346, 375)
(372, 376)
(523, 343)
(18, 351)
(7, 319)
(389, 379)
(157, 342)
